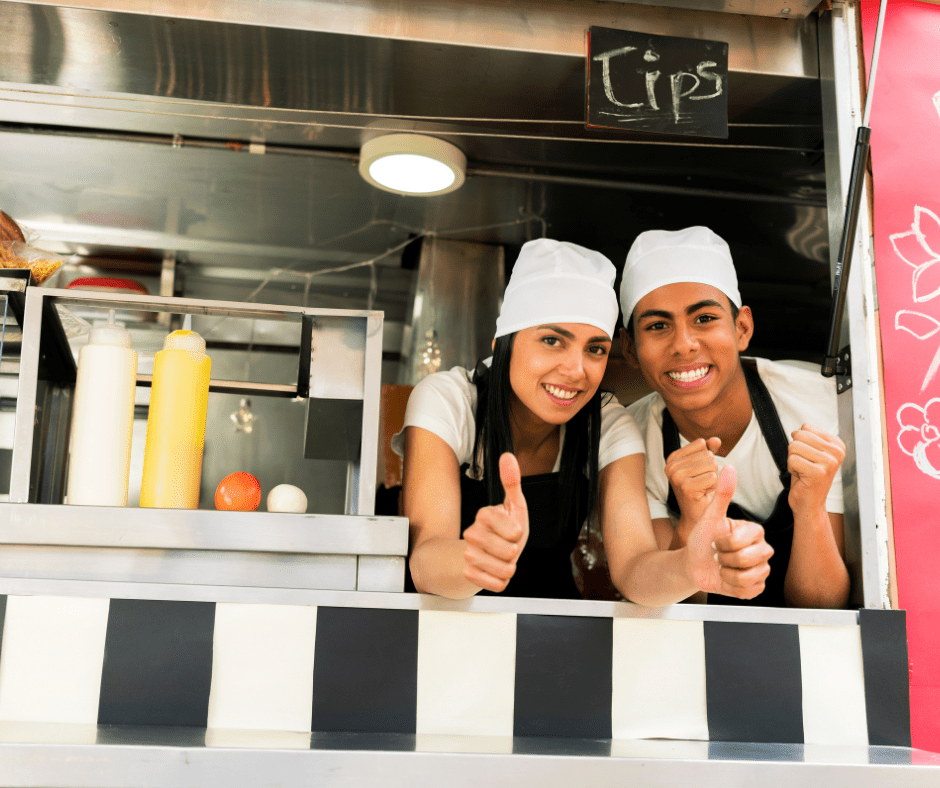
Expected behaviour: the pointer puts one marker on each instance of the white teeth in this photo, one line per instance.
(687, 377)
(560, 393)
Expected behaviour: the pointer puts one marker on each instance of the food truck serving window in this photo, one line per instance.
(763, 165)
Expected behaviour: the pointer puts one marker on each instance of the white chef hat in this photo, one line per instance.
(559, 282)
(661, 257)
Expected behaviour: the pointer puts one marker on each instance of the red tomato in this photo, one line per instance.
(240, 492)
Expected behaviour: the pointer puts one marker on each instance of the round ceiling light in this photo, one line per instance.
(412, 164)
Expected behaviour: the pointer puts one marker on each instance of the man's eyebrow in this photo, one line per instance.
(708, 302)
(655, 313)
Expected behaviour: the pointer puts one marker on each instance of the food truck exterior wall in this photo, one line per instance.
(860, 405)
(906, 168)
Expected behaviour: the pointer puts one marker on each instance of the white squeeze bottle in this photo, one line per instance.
(102, 419)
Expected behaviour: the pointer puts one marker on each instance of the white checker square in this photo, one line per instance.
(257, 739)
(660, 749)
(659, 680)
(833, 685)
(442, 742)
(51, 659)
(262, 667)
(466, 673)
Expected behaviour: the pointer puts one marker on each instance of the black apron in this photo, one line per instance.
(778, 528)
(544, 568)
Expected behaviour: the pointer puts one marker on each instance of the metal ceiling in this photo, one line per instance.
(227, 134)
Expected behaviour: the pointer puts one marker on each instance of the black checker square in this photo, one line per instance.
(887, 678)
(753, 682)
(365, 670)
(157, 663)
(564, 679)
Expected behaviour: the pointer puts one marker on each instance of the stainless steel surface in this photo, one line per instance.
(338, 358)
(238, 387)
(181, 529)
(241, 129)
(547, 607)
(457, 294)
(274, 450)
(432, 19)
(528, 26)
(367, 467)
(132, 565)
(860, 407)
(15, 284)
(150, 757)
(380, 573)
(646, 188)
(346, 363)
(26, 399)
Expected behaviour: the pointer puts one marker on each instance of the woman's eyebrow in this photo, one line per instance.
(558, 330)
(568, 335)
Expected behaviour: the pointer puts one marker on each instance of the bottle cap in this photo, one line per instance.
(185, 340)
(109, 334)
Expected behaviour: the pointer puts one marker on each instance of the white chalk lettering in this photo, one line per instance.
(716, 78)
(651, 77)
(677, 81)
(677, 94)
(608, 87)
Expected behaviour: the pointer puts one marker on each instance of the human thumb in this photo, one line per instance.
(511, 478)
(713, 444)
(727, 482)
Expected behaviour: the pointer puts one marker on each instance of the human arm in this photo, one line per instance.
(441, 561)
(722, 556)
(692, 473)
(817, 575)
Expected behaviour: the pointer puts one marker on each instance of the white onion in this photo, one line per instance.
(287, 498)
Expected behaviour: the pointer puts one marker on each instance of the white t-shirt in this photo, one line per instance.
(801, 396)
(445, 403)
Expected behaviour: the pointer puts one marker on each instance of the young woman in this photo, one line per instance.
(503, 465)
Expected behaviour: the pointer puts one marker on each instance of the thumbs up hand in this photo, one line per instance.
(728, 556)
(495, 541)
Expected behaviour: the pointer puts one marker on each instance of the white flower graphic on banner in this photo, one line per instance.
(920, 435)
(916, 248)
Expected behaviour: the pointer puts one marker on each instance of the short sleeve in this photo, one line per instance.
(620, 436)
(444, 404)
(647, 413)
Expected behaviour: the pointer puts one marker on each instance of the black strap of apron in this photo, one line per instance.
(767, 420)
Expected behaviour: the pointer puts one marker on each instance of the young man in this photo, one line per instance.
(774, 422)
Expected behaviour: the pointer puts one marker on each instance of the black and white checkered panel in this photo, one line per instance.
(517, 678)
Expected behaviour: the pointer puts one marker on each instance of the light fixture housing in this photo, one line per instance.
(412, 164)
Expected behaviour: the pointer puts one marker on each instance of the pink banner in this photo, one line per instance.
(905, 122)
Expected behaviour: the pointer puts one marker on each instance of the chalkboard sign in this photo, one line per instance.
(644, 82)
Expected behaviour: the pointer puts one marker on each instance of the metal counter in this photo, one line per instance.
(77, 756)
(173, 546)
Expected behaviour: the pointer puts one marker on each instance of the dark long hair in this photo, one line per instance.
(494, 434)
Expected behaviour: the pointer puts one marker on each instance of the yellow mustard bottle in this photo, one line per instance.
(176, 424)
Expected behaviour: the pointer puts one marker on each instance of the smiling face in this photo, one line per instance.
(687, 345)
(555, 369)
